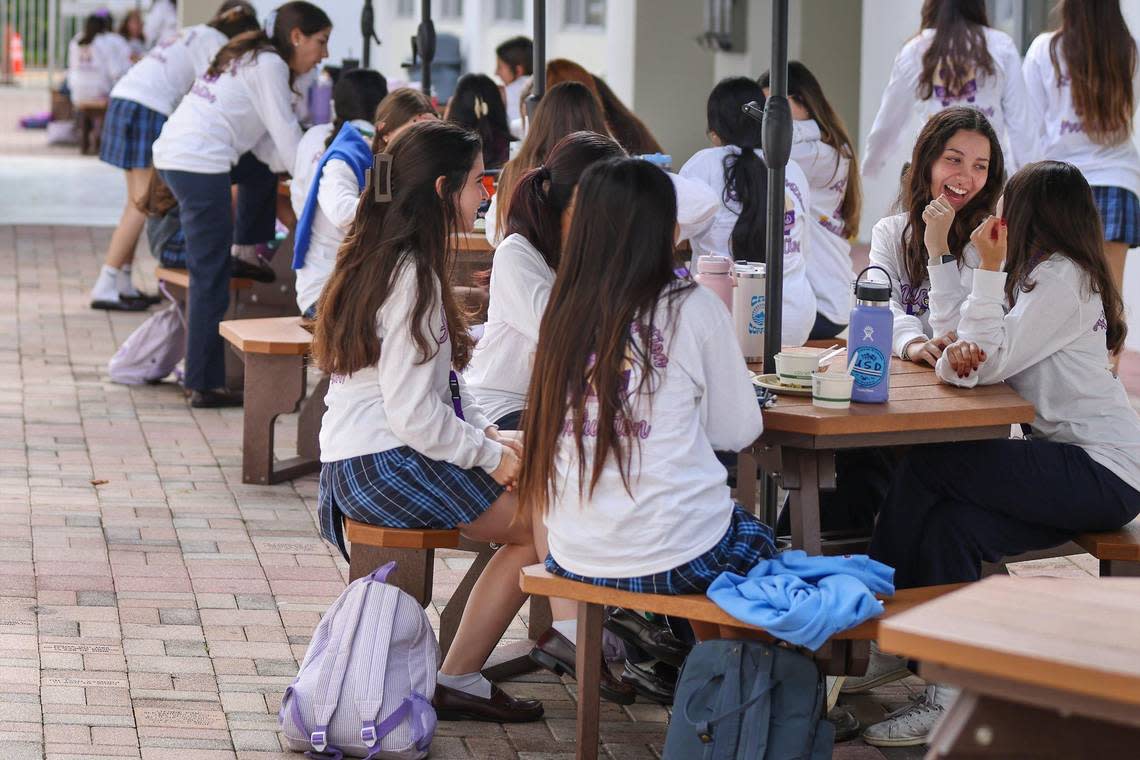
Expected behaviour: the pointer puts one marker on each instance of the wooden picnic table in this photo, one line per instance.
(800, 440)
(1049, 667)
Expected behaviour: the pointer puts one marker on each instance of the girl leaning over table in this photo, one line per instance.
(953, 183)
(637, 379)
(953, 506)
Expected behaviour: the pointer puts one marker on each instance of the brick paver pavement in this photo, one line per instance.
(153, 606)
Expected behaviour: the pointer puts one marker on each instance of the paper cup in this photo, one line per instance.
(831, 390)
(796, 368)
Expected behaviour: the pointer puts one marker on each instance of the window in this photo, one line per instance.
(448, 8)
(508, 10)
(406, 8)
(590, 13)
(439, 9)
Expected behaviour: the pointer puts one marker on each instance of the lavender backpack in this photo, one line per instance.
(153, 350)
(365, 686)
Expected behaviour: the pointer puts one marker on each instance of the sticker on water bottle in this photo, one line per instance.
(756, 324)
(868, 366)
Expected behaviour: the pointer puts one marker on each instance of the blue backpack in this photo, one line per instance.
(747, 700)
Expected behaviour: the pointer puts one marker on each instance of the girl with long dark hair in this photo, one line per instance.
(328, 177)
(478, 105)
(825, 152)
(956, 59)
(1043, 315)
(630, 131)
(400, 109)
(243, 103)
(403, 443)
(954, 180)
(734, 168)
(1084, 80)
(140, 104)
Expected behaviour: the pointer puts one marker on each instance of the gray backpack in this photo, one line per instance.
(747, 700)
(154, 349)
(365, 686)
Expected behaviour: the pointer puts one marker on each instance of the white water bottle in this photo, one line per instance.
(748, 308)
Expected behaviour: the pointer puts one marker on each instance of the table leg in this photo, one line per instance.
(801, 478)
(746, 480)
(589, 672)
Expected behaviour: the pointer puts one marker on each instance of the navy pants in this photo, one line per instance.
(951, 506)
(205, 207)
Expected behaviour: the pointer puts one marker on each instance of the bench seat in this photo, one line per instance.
(1117, 550)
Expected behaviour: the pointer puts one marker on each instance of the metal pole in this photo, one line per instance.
(367, 27)
(426, 43)
(5, 51)
(53, 34)
(538, 77)
(777, 142)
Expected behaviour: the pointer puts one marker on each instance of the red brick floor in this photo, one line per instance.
(153, 606)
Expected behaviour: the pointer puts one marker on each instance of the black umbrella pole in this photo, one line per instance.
(777, 142)
(538, 77)
(426, 43)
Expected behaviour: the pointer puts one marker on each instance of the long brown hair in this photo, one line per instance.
(630, 131)
(235, 17)
(397, 109)
(915, 193)
(565, 108)
(293, 15)
(417, 224)
(958, 51)
(616, 268)
(806, 90)
(1100, 56)
(1049, 208)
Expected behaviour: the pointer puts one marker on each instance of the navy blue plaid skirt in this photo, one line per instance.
(1120, 213)
(746, 542)
(129, 129)
(401, 488)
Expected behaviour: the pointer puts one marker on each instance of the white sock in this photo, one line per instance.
(247, 253)
(106, 286)
(124, 284)
(469, 683)
(568, 628)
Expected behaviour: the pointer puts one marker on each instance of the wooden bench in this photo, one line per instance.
(847, 653)
(1117, 550)
(178, 282)
(273, 351)
(413, 551)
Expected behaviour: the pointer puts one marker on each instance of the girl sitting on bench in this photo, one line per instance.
(637, 379)
(403, 444)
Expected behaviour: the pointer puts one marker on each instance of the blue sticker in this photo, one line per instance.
(869, 366)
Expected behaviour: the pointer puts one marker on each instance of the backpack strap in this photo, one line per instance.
(368, 703)
(334, 665)
(419, 709)
(754, 732)
(730, 704)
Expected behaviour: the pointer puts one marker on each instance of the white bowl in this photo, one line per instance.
(831, 390)
(797, 368)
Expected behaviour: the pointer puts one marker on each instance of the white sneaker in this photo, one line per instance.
(911, 725)
(882, 669)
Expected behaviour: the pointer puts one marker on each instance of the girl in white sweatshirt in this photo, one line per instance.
(1084, 80)
(955, 60)
(243, 103)
(822, 148)
(953, 183)
(734, 169)
(637, 380)
(140, 104)
(403, 443)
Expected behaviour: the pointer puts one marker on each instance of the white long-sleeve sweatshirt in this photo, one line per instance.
(92, 69)
(678, 505)
(163, 77)
(223, 117)
(1051, 347)
(799, 307)
(400, 401)
(1062, 137)
(828, 253)
(161, 21)
(1002, 98)
(337, 195)
(916, 316)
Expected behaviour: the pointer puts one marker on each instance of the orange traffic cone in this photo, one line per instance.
(16, 45)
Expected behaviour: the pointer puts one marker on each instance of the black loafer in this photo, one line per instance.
(557, 654)
(150, 299)
(847, 726)
(655, 640)
(259, 272)
(215, 399)
(656, 681)
(453, 704)
(121, 304)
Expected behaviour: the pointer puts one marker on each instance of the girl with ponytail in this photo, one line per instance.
(734, 168)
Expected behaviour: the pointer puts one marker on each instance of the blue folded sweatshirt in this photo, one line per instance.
(349, 146)
(805, 600)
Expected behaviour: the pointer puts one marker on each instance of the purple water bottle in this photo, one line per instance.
(870, 336)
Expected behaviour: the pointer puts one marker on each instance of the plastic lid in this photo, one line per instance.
(867, 290)
(711, 264)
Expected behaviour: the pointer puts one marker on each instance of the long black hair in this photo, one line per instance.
(94, 25)
(958, 49)
(745, 175)
(356, 96)
(478, 105)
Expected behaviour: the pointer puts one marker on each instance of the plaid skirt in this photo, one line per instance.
(747, 542)
(129, 129)
(1120, 213)
(401, 488)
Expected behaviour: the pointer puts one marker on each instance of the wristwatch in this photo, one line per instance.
(946, 258)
